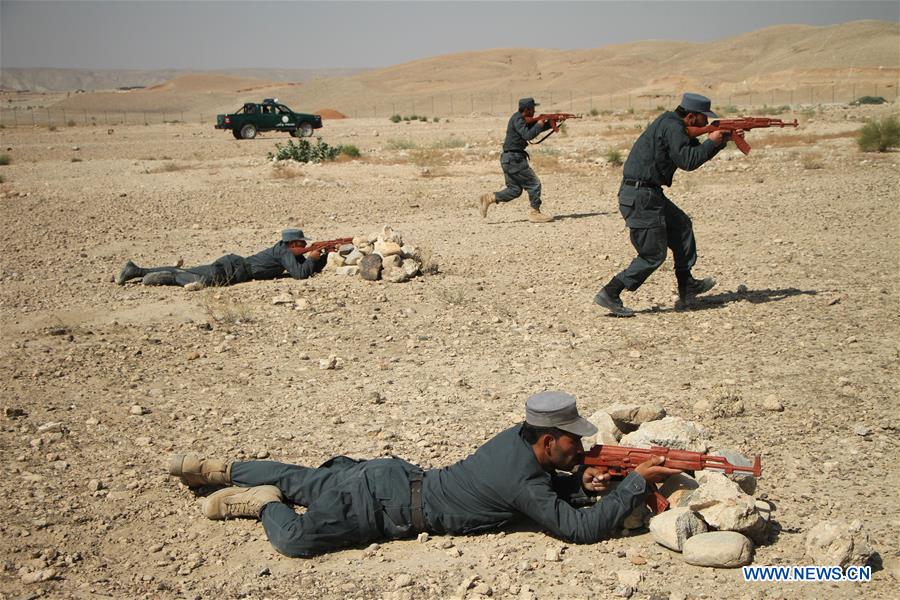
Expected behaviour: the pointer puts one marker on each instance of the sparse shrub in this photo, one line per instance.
(595, 112)
(170, 167)
(453, 296)
(423, 118)
(74, 159)
(5, 159)
(613, 157)
(869, 100)
(448, 143)
(811, 161)
(400, 144)
(660, 108)
(729, 109)
(436, 120)
(2, 125)
(225, 310)
(2, 179)
(349, 150)
(774, 110)
(51, 128)
(631, 111)
(396, 118)
(71, 122)
(427, 260)
(879, 135)
(303, 151)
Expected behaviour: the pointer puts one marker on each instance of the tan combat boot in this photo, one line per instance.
(536, 216)
(239, 502)
(195, 471)
(485, 202)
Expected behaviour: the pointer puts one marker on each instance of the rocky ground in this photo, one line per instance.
(100, 382)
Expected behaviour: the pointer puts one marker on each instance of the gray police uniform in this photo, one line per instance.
(231, 268)
(353, 502)
(514, 162)
(655, 222)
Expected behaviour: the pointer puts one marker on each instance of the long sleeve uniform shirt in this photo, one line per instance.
(664, 147)
(518, 133)
(272, 262)
(503, 480)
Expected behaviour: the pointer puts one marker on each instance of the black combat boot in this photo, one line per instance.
(608, 298)
(689, 288)
(129, 271)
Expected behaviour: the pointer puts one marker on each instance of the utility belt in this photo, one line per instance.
(518, 152)
(637, 183)
(417, 512)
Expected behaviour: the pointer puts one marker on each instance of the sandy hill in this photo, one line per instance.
(783, 57)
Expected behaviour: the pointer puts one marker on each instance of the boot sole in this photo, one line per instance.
(616, 311)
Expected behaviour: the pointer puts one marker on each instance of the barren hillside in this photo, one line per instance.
(862, 56)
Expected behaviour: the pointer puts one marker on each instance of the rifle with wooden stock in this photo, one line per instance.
(554, 119)
(327, 245)
(619, 461)
(735, 128)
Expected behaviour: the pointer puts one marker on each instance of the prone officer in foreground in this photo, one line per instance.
(285, 256)
(351, 502)
(654, 221)
(514, 161)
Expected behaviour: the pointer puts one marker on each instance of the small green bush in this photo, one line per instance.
(869, 100)
(423, 118)
(437, 119)
(660, 108)
(74, 159)
(448, 143)
(614, 157)
(303, 151)
(2, 179)
(349, 150)
(52, 128)
(595, 112)
(879, 135)
(71, 122)
(729, 109)
(5, 159)
(396, 118)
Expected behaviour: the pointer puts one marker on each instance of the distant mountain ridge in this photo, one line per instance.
(90, 80)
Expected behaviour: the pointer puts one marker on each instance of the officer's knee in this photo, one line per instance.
(293, 549)
(655, 257)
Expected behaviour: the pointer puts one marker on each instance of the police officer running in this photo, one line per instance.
(353, 502)
(514, 162)
(653, 220)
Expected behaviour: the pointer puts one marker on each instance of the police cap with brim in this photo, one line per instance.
(527, 103)
(557, 409)
(292, 235)
(695, 103)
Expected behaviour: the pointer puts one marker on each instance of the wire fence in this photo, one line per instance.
(487, 104)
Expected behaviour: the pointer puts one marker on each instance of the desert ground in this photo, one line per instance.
(802, 236)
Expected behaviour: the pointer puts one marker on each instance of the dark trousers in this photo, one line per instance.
(348, 502)
(651, 242)
(203, 273)
(525, 179)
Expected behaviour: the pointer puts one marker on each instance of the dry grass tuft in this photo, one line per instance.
(283, 170)
(224, 309)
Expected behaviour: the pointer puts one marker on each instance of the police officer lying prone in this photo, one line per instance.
(288, 255)
(529, 470)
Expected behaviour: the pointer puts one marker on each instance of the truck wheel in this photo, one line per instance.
(248, 131)
(305, 130)
(236, 134)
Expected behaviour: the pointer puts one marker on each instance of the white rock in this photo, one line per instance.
(387, 248)
(629, 416)
(839, 543)
(51, 427)
(629, 578)
(334, 261)
(391, 261)
(680, 481)
(772, 403)
(671, 432)
(349, 270)
(723, 504)
(328, 363)
(354, 257)
(606, 427)
(552, 555)
(718, 549)
(411, 267)
(673, 527)
(283, 299)
(137, 410)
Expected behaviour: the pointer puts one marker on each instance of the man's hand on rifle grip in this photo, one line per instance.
(315, 255)
(594, 481)
(719, 137)
(652, 470)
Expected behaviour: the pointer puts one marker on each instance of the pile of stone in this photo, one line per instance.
(713, 518)
(379, 255)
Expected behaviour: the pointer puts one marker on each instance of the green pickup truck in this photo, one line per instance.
(268, 115)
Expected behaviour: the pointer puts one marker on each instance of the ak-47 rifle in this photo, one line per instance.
(735, 128)
(554, 119)
(327, 245)
(619, 461)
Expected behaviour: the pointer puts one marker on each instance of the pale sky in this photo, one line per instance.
(120, 34)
